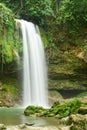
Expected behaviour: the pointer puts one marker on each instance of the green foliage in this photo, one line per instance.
(6, 16)
(73, 15)
(82, 94)
(69, 23)
(44, 37)
(61, 19)
(31, 110)
(9, 92)
(57, 110)
(13, 5)
(38, 11)
(31, 10)
(79, 125)
(7, 36)
(65, 109)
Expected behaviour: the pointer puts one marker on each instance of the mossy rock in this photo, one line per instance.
(79, 126)
(82, 110)
(65, 109)
(57, 110)
(33, 110)
(9, 92)
(82, 94)
(1, 104)
(79, 122)
(7, 34)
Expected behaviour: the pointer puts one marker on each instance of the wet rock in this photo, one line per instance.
(65, 128)
(28, 124)
(82, 110)
(79, 122)
(2, 127)
(80, 55)
(77, 117)
(65, 121)
(22, 126)
(35, 111)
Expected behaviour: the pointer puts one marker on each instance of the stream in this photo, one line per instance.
(15, 116)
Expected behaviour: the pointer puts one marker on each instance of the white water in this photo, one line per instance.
(34, 66)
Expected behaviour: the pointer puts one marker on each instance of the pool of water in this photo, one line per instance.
(15, 116)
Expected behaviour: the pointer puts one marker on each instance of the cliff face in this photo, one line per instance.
(67, 67)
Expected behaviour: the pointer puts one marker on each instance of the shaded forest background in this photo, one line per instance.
(63, 23)
(63, 27)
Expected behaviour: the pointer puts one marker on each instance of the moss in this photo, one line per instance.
(64, 109)
(6, 17)
(82, 110)
(9, 91)
(57, 110)
(1, 104)
(66, 70)
(7, 34)
(82, 94)
(79, 125)
(32, 110)
(44, 38)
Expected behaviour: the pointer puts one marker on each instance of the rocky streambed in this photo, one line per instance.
(26, 127)
(69, 114)
(74, 122)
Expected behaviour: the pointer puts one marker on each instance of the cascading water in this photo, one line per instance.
(34, 66)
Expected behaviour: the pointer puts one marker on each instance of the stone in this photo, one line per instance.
(79, 122)
(76, 117)
(82, 110)
(2, 127)
(65, 120)
(22, 126)
(65, 128)
(29, 124)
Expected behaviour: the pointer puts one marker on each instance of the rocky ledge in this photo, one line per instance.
(71, 114)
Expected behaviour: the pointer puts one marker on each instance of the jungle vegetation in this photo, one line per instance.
(62, 21)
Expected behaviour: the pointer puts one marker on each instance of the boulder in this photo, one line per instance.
(82, 110)
(79, 122)
(2, 127)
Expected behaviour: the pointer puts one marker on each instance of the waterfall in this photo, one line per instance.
(35, 88)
